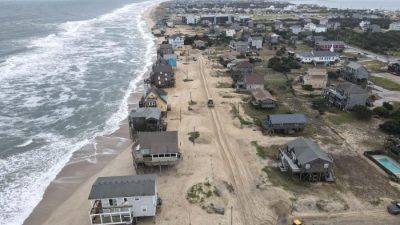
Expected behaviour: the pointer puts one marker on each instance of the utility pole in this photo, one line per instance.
(231, 213)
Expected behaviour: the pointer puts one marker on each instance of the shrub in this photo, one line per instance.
(333, 75)
(381, 111)
(320, 105)
(387, 106)
(307, 87)
(281, 51)
(193, 136)
(283, 65)
(362, 112)
(391, 127)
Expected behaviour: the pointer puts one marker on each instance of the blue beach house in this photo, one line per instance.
(171, 60)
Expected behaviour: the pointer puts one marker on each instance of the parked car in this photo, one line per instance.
(394, 208)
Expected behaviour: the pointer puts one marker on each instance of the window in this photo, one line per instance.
(136, 199)
(112, 202)
(144, 209)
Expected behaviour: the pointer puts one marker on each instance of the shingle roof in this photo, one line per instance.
(156, 90)
(350, 88)
(257, 38)
(307, 150)
(254, 79)
(123, 186)
(148, 112)
(287, 118)
(317, 54)
(165, 46)
(177, 35)
(162, 68)
(159, 142)
(329, 43)
(261, 95)
(354, 65)
(244, 64)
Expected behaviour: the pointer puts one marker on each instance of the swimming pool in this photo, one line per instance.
(388, 163)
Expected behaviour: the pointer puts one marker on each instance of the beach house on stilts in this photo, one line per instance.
(122, 199)
(156, 149)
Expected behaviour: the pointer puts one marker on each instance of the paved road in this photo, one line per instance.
(371, 55)
(365, 217)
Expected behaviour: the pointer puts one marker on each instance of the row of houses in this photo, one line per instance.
(317, 78)
(123, 199)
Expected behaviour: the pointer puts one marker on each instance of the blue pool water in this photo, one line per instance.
(390, 165)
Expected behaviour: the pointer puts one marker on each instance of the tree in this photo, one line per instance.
(381, 111)
(362, 112)
(281, 51)
(387, 105)
(391, 127)
(320, 104)
(333, 75)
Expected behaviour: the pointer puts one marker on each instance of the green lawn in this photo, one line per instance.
(385, 83)
(375, 66)
(303, 48)
(393, 53)
(340, 118)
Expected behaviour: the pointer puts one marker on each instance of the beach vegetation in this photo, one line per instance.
(193, 136)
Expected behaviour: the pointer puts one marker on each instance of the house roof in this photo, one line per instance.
(254, 79)
(287, 118)
(257, 38)
(330, 43)
(295, 27)
(350, 88)
(156, 90)
(165, 46)
(157, 68)
(354, 65)
(261, 94)
(241, 43)
(159, 142)
(244, 64)
(148, 113)
(123, 186)
(176, 36)
(317, 54)
(307, 150)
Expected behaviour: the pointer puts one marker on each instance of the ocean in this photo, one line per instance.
(353, 4)
(67, 68)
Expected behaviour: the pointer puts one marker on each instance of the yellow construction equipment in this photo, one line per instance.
(298, 222)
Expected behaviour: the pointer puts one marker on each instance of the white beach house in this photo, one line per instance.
(121, 199)
(176, 40)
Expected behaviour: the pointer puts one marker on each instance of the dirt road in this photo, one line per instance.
(251, 206)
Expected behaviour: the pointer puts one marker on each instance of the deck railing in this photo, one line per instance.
(111, 215)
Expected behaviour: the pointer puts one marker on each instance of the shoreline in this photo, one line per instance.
(67, 193)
